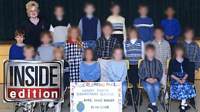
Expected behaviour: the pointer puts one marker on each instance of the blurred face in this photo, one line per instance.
(150, 53)
(58, 55)
(46, 39)
(170, 12)
(19, 39)
(33, 12)
(179, 53)
(133, 35)
(115, 10)
(143, 11)
(189, 35)
(158, 34)
(74, 34)
(107, 31)
(29, 53)
(118, 55)
(59, 12)
(88, 55)
(89, 9)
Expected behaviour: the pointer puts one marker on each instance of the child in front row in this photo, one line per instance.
(16, 50)
(150, 73)
(134, 51)
(179, 71)
(45, 50)
(89, 69)
(29, 53)
(90, 26)
(117, 70)
(107, 42)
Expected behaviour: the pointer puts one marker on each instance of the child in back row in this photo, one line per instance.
(45, 50)
(117, 70)
(144, 24)
(118, 24)
(179, 71)
(16, 50)
(90, 26)
(59, 26)
(150, 73)
(89, 68)
(134, 51)
(171, 26)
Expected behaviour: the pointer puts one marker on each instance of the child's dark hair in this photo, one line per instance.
(114, 5)
(93, 53)
(179, 47)
(159, 28)
(88, 4)
(150, 47)
(169, 7)
(46, 33)
(107, 23)
(19, 32)
(188, 29)
(143, 5)
(58, 6)
(132, 29)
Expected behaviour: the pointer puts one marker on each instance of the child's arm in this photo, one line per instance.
(175, 78)
(141, 72)
(143, 50)
(82, 73)
(98, 29)
(11, 53)
(124, 29)
(178, 29)
(80, 25)
(97, 49)
(123, 78)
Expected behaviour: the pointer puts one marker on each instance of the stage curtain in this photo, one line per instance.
(12, 12)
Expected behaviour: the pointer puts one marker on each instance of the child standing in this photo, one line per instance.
(73, 53)
(107, 42)
(150, 73)
(179, 70)
(16, 50)
(144, 24)
(59, 26)
(163, 51)
(117, 70)
(118, 24)
(134, 51)
(90, 26)
(45, 51)
(171, 26)
(89, 69)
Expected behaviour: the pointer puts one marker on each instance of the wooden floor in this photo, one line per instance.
(10, 107)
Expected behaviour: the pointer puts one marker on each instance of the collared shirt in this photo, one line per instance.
(105, 46)
(163, 51)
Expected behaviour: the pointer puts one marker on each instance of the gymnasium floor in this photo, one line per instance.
(10, 107)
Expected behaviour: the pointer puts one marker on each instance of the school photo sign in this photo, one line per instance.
(95, 97)
(32, 81)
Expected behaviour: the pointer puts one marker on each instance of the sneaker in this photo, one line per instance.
(182, 108)
(152, 108)
(187, 107)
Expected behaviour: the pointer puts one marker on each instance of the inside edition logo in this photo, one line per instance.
(32, 81)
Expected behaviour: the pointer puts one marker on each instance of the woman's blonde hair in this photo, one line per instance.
(79, 41)
(31, 4)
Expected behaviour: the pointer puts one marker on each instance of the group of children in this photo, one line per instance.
(81, 46)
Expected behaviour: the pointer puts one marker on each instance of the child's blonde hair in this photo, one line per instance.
(59, 50)
(29, 47)
(79, 41)
(31, 4)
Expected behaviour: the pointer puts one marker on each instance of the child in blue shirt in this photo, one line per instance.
(89, 69)
(16, 50)
(117, 70)
(144, 24)
(90, 26)
(171, 26)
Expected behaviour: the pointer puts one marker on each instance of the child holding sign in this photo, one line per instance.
(118, 70)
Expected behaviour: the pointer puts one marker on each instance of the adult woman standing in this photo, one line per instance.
(33, 26)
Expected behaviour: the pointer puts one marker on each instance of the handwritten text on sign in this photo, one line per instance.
(96, 97)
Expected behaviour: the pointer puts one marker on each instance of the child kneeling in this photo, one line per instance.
(150, 73)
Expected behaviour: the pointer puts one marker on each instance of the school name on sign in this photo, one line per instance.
(32, 81)
(95, 97)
